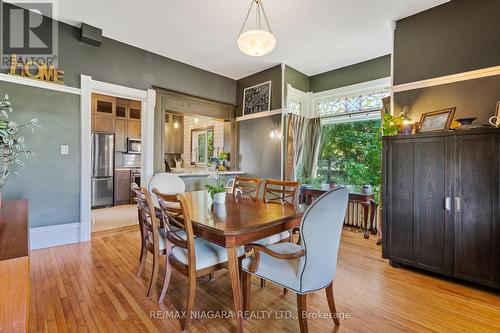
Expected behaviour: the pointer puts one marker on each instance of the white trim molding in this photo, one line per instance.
(38, 84)
(85, 153)
(359, 88)
(54, 235)
(259, 115)
(470, 75)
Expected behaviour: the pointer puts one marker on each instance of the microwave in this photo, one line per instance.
(133, 146)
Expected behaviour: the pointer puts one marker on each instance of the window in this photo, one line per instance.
(294, 107)
(350, 154)
(202, 146)
(353, 104)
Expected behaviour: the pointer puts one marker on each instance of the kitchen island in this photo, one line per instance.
(196, 178)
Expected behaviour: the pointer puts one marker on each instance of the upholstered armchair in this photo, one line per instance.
(307, 267)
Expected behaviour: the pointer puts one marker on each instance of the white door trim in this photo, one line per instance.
(148, 100)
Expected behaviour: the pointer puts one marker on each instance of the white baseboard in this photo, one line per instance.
(54, 235)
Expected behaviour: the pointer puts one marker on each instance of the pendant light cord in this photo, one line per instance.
(260, 7)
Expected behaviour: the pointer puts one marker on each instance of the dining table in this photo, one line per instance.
(235, 223)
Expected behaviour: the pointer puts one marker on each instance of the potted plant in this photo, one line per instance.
(217, 191)
(12, 145)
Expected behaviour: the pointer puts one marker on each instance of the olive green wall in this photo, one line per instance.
(458, 36)
(364, 71)
(273, 74)
(297, 79)
(259, 155)
(455, 37)
(50, 181)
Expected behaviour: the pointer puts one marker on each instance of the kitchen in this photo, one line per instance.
(116, 160)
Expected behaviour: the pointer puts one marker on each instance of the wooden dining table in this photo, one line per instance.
(240, 221)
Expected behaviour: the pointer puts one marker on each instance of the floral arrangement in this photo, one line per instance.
(11, 143)
(218, 186)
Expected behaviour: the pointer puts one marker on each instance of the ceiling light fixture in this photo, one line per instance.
(256, 42)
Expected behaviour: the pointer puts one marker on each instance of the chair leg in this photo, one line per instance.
(302, 310)
(190, 300)
(144, 256)
(262, 283)
(331, 304)
(166, 280)
(154, 274)
(247, 286)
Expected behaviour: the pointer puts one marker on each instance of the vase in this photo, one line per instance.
(220, 197)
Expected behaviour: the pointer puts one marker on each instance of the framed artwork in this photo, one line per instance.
(436, 120)
(257, 98)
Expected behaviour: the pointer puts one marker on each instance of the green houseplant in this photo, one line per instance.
(12, 145)
(217, 190)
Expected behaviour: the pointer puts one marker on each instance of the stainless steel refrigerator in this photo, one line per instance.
(103, 155)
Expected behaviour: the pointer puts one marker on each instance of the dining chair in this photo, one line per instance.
(152, 235)
(246, 187)
(307, 267)
(193, 257)
(167, 183)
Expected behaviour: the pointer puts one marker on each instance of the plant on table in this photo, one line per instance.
(218, 186)
(12, 145)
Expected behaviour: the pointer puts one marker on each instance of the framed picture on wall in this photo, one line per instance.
(436, 120)
(257, 98)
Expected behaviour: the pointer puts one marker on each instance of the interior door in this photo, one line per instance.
(433, 227)
(476, 207)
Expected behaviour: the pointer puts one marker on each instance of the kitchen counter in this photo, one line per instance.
(203, 173)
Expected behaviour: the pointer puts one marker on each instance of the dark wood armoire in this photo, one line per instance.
(441, 199)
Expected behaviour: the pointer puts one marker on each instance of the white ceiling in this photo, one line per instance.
(313, 36)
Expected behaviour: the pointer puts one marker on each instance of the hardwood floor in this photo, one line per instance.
(92, 287)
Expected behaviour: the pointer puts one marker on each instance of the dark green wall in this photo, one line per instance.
(364, 71)
(458, 36)
(50, 181)
(472, 98)
(259, 155)
(297, 79)
(455, 37)
(272, 74)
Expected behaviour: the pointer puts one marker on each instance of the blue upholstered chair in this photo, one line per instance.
(308, 267)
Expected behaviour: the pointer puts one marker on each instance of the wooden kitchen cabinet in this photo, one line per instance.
(133, 129)
(122, 187)
(103, 123)
(121, 135)
(104, 105)
(174, 137)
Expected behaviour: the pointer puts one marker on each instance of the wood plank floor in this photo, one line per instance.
(92, 287)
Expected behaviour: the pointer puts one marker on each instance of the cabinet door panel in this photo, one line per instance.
(121, 135)
(477, 221)
(433, 228)
(134, 129)
(400, 228)
(122, 187)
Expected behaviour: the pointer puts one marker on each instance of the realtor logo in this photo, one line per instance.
(29, 30)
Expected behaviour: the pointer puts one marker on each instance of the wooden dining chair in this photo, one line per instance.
(193, 257)
(247, 187)
(307, 267)
(281, 191)
(152, 236)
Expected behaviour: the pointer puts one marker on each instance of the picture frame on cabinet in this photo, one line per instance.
(437, 121)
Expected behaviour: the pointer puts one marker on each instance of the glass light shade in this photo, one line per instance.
(256, 43)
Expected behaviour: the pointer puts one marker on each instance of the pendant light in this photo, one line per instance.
(256, 42)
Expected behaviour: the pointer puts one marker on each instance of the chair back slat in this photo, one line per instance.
(146, 213)
(283, 192)
(177, 218)
(247, 187)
